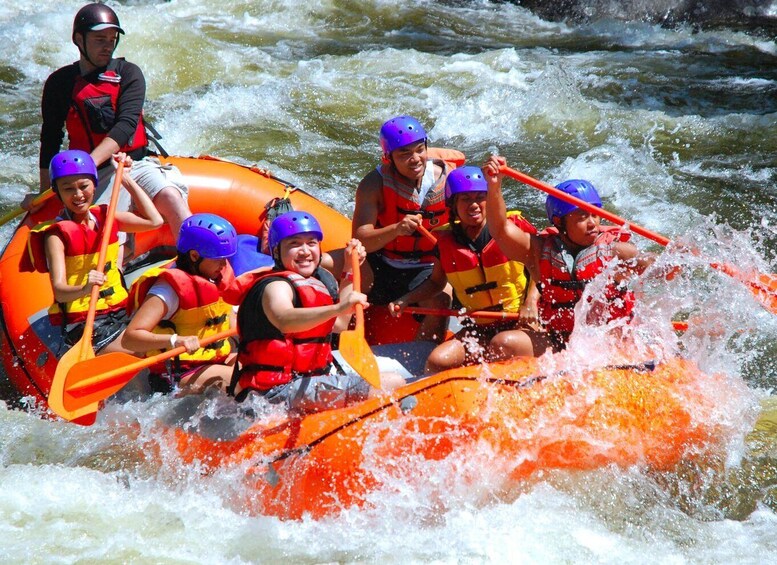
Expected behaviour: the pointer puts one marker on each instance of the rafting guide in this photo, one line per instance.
(99, 101)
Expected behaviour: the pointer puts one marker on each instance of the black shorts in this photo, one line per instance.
(390, 282)
(107, 327)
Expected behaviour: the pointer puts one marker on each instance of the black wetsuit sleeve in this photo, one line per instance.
(55, 104)
(130, 104)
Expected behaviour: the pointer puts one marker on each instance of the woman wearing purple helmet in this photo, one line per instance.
(566, 256)
(184, 304)
(406, 191)
(287, 319)
(68, 248)
(483, 278)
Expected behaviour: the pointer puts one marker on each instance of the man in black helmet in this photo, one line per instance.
(99, 101)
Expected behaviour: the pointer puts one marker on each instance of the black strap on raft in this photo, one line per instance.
(153, 136)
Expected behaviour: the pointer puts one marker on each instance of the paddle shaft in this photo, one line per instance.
(86, 340)
(357, 287)
(427, 234)
(42, 197)
(764, 291)
(602, 213)
(109, 378)
(678, 325)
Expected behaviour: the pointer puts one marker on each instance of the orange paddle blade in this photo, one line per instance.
(353, 345)
(56, 400)
(356, 351)
(90, 381)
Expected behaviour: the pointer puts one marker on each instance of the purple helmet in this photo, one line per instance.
(290, 224)
(582, 189)
(464, 179)
(400, 131)
(212, 236)
(71, 162)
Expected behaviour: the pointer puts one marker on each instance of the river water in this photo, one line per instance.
(674, 126)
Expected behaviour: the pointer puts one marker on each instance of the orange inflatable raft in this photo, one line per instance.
(507, 420)
(510, 419)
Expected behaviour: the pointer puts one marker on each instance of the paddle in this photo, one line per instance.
(90, 381)
(677, 325)
(83, 349)
(763, 286)
(353, 345)
(41, 198)
(427, 234)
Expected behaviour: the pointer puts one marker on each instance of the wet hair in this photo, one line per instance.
(185, 263)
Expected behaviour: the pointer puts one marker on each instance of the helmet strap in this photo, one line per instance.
(83, 50)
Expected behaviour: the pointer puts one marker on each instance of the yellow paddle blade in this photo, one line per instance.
(56, 399)
(93, 380)
(356, 351)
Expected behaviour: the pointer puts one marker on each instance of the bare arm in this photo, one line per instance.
(278, 305)
(632, 261)
(369, 202)
(139, 336)
(149, 217)
(512, 240)
(432, 286)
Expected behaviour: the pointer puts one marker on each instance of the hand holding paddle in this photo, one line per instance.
(83, 349)
(93, 380)
(37, 201)
(763, 286)
(353, 345)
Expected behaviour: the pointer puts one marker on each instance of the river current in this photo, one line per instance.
(674, 125)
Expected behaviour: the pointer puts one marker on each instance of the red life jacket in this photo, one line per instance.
(268, 358)
(93, 110)
(201, 312)
(560, 290)
(399, 200)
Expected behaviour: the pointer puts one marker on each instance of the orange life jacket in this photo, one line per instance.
(93, 110)
(401, 199)
(560, 289)
(268, 358)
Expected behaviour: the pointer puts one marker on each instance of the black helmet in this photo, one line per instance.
(95, 17)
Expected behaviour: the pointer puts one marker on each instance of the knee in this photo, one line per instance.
(510, 344)
(449, 355)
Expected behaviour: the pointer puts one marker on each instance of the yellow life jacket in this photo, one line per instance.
(202, 312)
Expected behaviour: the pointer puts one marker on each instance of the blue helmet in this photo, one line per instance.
(212, 236)
(464, 179)
(71, 162)
(400, 131)
(290, 224)
(582, 189)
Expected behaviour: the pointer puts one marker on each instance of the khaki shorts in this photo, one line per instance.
(150, 175)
